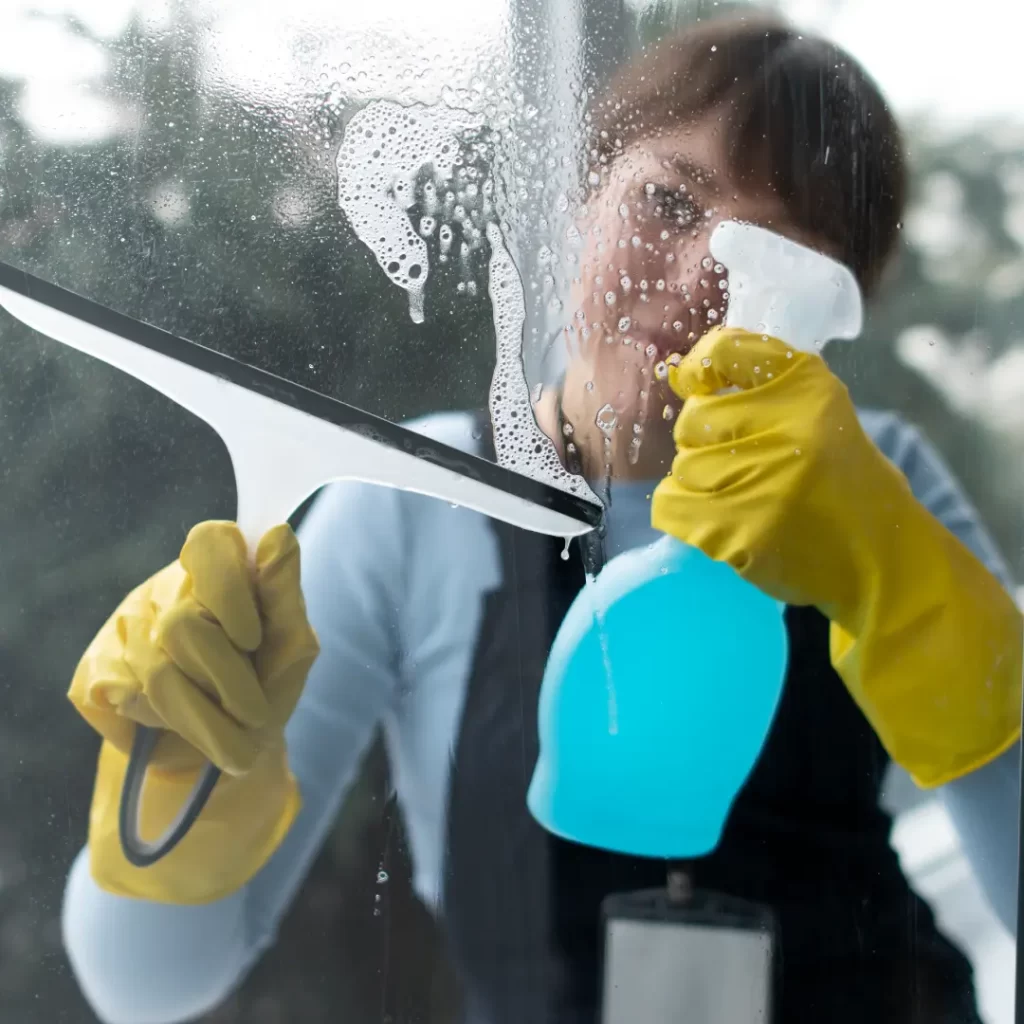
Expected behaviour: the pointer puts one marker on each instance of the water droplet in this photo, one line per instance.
(677, 326)
(660, 285)
(606, 418)
(706, 361)
(668, 413)
(757, 369)
(624, 324)
(789, 355)
(707, 263)
(675, 359)
(565, 550)
(712, 315)
(567, 429)
(796, 451)
(719, 269)
(382, 877)
(661, 371)
(650, 188)
(589, 385)
(625, 283)
(651, 350)
(723, 284)
(609, 298)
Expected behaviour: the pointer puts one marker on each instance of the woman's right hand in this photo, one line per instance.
(213, 650)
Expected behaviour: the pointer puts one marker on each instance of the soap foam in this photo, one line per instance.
(385, 146)
(519, 443)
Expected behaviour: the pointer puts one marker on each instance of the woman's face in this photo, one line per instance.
(648, 286)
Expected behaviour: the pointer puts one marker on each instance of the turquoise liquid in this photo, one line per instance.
(657, 699)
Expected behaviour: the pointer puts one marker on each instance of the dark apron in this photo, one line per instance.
(806, 837)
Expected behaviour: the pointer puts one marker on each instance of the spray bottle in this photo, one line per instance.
(664, 678)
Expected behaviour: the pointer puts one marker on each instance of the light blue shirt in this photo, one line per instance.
(394, 584)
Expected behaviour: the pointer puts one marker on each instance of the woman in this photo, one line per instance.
(436, 622)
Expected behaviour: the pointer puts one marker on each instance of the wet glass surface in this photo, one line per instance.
(252, 179)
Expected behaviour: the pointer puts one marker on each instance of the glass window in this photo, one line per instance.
(497, 223)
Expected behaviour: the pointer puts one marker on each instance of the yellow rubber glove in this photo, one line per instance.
(215, 651)
(780, 481)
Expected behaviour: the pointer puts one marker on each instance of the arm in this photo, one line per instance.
(983, 805)
(146, 963)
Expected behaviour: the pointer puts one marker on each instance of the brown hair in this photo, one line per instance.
(801, 120)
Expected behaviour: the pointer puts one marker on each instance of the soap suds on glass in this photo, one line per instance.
(385, 146)
(519, 443)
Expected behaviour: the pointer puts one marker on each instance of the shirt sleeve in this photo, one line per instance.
(147, 963)
(984, 806)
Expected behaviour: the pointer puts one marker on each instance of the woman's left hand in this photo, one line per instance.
(779, 480)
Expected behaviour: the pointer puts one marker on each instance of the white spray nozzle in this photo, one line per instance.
(782, 288)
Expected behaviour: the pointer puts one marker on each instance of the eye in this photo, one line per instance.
(677, 206)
